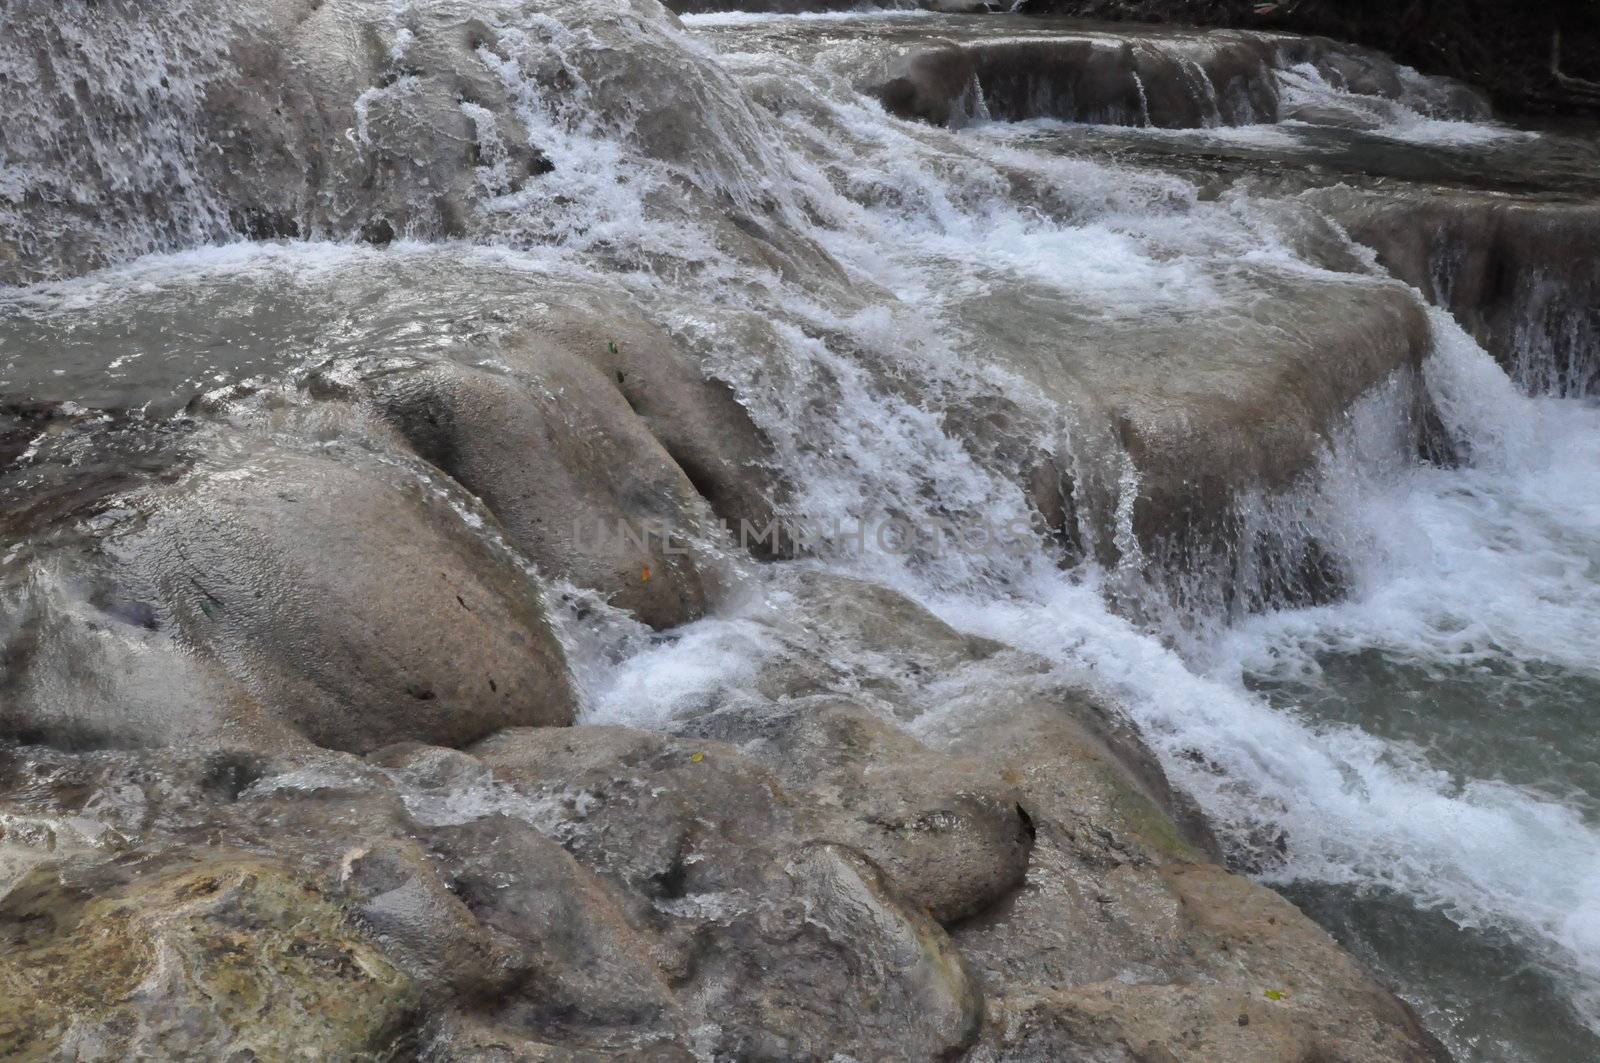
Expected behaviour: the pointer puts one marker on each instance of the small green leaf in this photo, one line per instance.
(1273, 994)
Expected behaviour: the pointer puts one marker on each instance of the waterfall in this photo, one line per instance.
(103, 150)
(946, 328)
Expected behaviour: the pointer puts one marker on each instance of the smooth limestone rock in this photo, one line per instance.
(590, 433)
(1213, 403)
(579, 484)
(949, 835)
(608, 460)
(284, 119)
(281, 594)
(1126, 940)
(578, 957)
(763, 922)
(1181, 84)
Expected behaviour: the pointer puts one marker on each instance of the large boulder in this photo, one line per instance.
(579, 484)
(1123, 938)
(1127, 942)
(279, 595)
(1185, 416)
(607, 456)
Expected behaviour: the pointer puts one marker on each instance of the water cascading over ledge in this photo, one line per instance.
(1521, 276)
(948, 70)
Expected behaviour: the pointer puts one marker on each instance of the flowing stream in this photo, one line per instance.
(1413, 760)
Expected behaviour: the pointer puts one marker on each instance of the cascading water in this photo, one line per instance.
(1397, 738)
(1480, 570)
(103, 128)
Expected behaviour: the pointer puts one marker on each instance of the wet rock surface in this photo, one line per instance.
(253, 599)
(960, 70)
(341, 119)
(1497, 233)
(775, 891)
(226, 955)
(1520, 274)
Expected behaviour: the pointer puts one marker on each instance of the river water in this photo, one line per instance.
(1415, 763)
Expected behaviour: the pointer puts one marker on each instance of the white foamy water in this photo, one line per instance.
(1421, 114)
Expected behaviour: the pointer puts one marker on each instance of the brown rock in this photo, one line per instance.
(287, 594)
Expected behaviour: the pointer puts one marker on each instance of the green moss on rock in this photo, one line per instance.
(232, 959)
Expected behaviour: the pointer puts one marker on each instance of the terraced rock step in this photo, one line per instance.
(954, 70)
